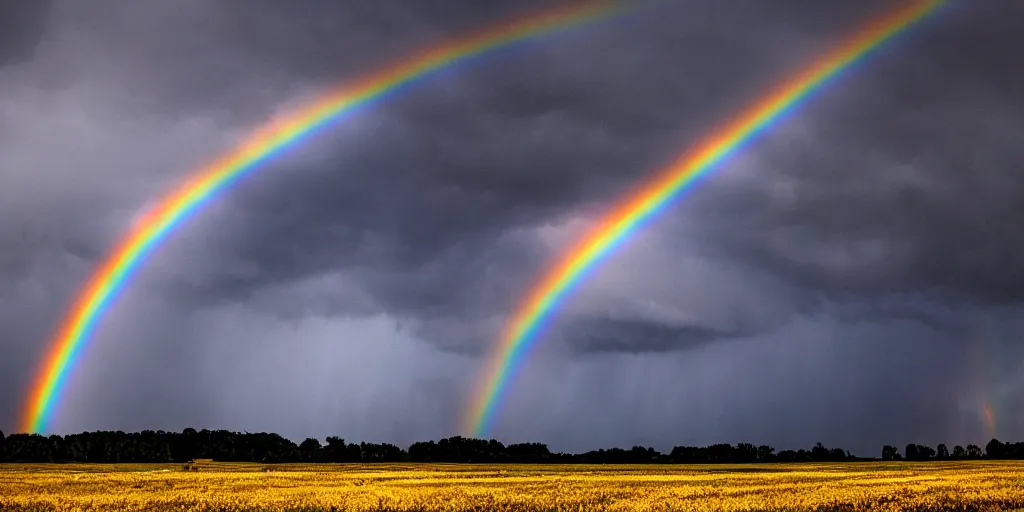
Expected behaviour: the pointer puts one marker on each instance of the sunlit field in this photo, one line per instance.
(971, 485)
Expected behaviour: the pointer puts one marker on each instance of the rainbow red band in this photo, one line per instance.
(522, 331)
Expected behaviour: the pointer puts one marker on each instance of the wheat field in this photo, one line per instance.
(961, 486)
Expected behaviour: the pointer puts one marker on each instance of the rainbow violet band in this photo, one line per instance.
(627, 216)
(66, 348)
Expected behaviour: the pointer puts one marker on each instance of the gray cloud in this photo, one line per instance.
(847, 277)
(23, 23)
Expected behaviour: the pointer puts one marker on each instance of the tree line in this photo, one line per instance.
(227, 446)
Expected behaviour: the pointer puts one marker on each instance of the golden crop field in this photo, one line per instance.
(439, 487)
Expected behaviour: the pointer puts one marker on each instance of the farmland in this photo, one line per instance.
(966, 485)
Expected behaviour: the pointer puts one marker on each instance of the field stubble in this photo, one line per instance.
(514, 488)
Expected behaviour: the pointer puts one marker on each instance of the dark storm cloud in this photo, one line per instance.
(441, 173)
(22, 24)
(903, 178)
(603, 334)
(524, 137)
(827, 283)
(239, 59)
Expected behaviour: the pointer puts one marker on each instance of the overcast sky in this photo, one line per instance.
(854, 276)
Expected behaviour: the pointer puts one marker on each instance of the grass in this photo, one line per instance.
(974, 485)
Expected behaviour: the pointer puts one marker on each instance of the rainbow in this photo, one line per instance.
(981, 359)
(988, 414)
(270, 140)
(521, 333)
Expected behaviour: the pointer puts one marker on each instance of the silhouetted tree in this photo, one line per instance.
(57, 452)
(381, 453)
(532, 453)
(223, 445)
(353, 453)
(27, 448)
(335, 451)
(995, 449)
(786, 456)
(642, 455)
(423, 451)
(819, 452)
(1013, 450)
(309, 450)
(461, 449)
(721, 453)
(744, 452)
(973, 451)
(188, 445)
(919, 452)
(891, 453)
(959, 452)
(910, 452)
(925, 452)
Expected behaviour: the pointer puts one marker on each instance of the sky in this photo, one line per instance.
(852, 277)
